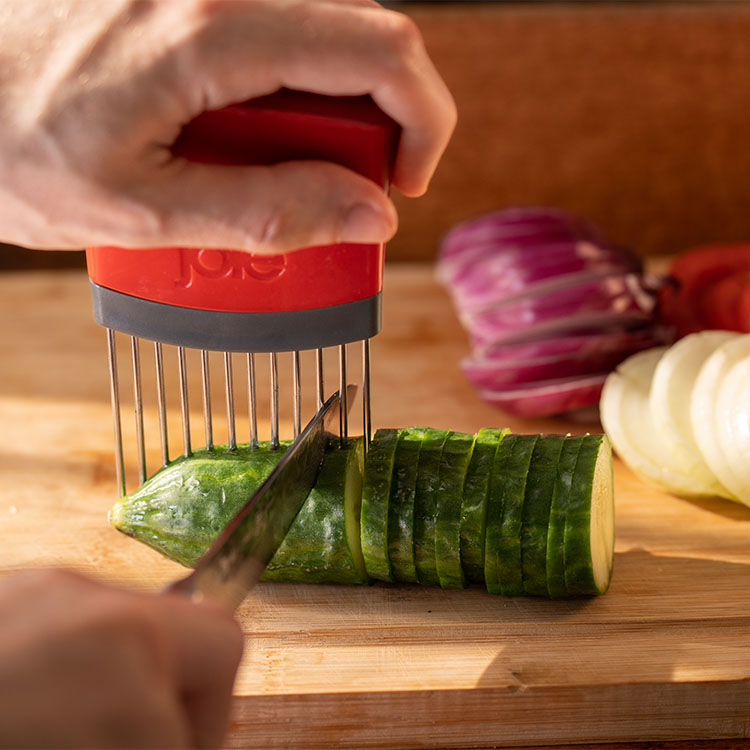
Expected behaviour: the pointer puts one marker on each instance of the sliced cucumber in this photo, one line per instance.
(590, 520)
(557, 514)
(182, 508)
(428, 479)
(401, 505)
(322, 545)
(375, 496)
(454, 463)
(514, 475)
(540, 487)
(474, 503)
(495, 500)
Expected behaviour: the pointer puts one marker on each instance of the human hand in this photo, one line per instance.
(92, 95)
(84, 665)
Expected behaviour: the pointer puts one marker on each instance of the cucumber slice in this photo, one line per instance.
(558, 511)
(428, 478)
(323, 543)
(401, 505)
(540, 486)
(181, 509)
(590, 520)
(474, 503)
(375, 496)
(503, 572)
(454, 463)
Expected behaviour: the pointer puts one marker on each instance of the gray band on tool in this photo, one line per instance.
(286, 331)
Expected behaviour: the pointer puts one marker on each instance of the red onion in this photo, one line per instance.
(550, 307)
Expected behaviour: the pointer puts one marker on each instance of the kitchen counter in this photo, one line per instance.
(663, 656)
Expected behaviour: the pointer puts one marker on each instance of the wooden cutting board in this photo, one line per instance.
(662, 656)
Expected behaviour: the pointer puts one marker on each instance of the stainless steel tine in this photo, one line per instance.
(252, 401)
(135, 352)
(343, 405)
(366, 411)
(160, 401)
(208, 421)
(296, 392)
(274, 401)
(184, 405)
(114, 390)
(229, 385)
(319, 377)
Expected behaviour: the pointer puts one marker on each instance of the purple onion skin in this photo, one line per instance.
(495, 373)
(548, 398)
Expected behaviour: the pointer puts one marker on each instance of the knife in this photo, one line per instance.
(235, 562)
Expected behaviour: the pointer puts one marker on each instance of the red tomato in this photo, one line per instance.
(711, 290)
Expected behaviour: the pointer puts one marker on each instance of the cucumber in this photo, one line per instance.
(495, 499)
(454, 462)
(590, 520)
(322, 545)
(182, 508)
(528, 513)
(401, 505)
(540, 486)
(428, 477)
(503, 544)
(474, 502)
(558, 511)
(375, 495)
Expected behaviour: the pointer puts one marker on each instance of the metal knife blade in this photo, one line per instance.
(236, 560)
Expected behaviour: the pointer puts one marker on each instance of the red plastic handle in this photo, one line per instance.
(351, 131)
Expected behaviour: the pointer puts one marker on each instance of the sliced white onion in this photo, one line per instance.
(710, 414)
(625, 414)
(671, 391)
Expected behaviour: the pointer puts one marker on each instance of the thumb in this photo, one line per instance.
(266, 209)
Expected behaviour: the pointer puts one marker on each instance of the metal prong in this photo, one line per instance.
(138, 402)
(319, 377)
(274, 401)
(184, 406)
(343, 405)
(160, 402)
(114, 390)
(229, 385)
(366, 413)
(208, 421)
(252, 402)
(296, 392)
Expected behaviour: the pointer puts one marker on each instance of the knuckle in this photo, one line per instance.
(403, 34)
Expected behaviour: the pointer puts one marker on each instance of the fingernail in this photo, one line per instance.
(364, 222)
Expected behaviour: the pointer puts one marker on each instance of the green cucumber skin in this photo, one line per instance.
(401, 505)
(495, 499)
(578, 571)
(182, 508)
(474, 502)
(316, 548)
(537, 502)
(558, 511)
(375, 496)
(514, 478)
(454, 464)
(428, 477)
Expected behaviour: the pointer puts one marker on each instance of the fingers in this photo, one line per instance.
(264, 209)
(334, 48)
(208, 645)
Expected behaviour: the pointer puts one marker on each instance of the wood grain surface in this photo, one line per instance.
(663, 656)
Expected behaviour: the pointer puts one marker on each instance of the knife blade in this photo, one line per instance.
(235, 562)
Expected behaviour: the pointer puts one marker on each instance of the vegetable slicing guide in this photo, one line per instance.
(204, 301)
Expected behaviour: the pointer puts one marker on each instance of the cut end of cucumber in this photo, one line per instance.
(603, 519)
(352, 506)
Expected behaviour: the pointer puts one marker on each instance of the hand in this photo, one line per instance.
(92, 95)
(83, 665)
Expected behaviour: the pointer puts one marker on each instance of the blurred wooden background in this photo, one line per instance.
(635, 115)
